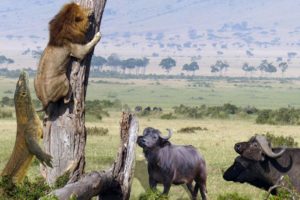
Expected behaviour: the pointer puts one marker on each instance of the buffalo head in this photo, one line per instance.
(255, 165)
(152, 138)
(257, 148)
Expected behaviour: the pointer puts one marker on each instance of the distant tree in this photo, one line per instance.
(129, 64)
(265, 66)
(5, 60)
(214, 69)
(141, 64)
(262, 66)
(191, 67)
(248, 69)
(98, 62)
(167, 64)
(271, 68)
(114, 61)
(249, 53)
(220, 67)
(283, 67)
(36, 54)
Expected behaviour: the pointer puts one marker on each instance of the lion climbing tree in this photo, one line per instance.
(65, 136)
(64, 132)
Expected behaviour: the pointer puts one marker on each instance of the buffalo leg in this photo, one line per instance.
(195, 193)
(203, 190)
(190, 188)
(152, 183)
(167, 187)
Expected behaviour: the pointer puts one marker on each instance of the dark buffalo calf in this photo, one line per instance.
(173, 164)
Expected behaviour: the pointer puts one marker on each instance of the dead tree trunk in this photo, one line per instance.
(114, 183)
(64, 132)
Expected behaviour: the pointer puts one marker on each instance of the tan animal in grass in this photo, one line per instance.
(67, 39)
(29, 132)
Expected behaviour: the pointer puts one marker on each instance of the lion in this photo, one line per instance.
(67, 39)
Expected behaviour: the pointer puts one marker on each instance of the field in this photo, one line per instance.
(215, 143)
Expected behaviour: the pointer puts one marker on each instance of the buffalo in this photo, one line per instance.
(147, 109)
(263, 166)
(172, 164)
(157, 109)
(138, 109)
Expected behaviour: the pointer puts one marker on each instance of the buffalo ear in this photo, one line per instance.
(139, 137)
(163, 142)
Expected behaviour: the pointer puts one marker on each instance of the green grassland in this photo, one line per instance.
(215, 143)
(264, 93)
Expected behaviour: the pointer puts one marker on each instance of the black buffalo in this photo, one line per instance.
(138, 108)
(172, 164)
(157, 109)
(147, 109)
(263, 166)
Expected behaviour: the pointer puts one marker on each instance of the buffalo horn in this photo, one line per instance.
(266, 148)
(169, 135)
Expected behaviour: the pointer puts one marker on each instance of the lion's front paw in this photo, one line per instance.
(97, 36)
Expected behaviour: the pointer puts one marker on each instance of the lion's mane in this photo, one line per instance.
(69, 25)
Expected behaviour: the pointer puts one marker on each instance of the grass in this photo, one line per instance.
(215, 143)
(171, 93)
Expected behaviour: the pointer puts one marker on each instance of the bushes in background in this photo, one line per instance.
(282, 116)
(192, 129)
(168, 116)
(278, 141)
(5, 113)
(221, 112)
(97, 131)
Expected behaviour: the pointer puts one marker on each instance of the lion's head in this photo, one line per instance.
(69, 25)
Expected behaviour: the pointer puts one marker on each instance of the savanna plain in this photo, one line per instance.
(215, 139)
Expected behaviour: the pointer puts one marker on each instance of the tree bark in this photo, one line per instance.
(114, 183)
(64, 132)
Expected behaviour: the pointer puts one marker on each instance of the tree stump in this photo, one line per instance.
(115, 183)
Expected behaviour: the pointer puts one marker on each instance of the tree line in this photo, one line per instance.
(138, 66)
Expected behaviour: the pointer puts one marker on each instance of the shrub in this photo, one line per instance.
(230, 109)
(282, 116)
(6, 101)
(168, 116)
(152, 195)
(208, 111)
(232, 196)
(96, 108)
(278, 141)
(5, 113)
(31, 190)
(192, 129)
(99, 131)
